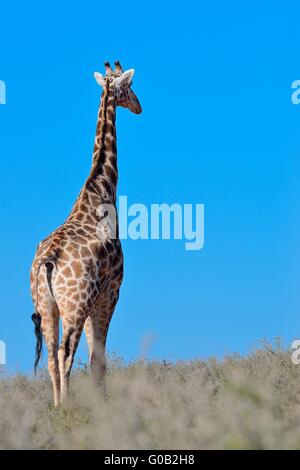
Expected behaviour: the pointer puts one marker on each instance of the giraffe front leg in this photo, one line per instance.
(72, 329)
(96, 329)
(98, 362)
(96, 336)
(89, 333)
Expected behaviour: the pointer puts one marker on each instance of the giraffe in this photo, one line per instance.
(76, 275)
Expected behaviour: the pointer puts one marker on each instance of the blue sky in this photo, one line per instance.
(218, 128)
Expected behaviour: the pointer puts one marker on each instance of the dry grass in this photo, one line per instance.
(237, 403)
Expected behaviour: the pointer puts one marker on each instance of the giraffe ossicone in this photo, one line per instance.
(76, 275)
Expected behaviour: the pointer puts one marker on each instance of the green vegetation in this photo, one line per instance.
(237, 403)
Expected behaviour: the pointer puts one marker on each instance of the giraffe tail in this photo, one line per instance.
(37, 320)
(36, 316)
(50, 264)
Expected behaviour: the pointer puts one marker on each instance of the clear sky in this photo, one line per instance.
(218, 127)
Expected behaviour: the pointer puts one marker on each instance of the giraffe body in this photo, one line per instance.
(76, 275)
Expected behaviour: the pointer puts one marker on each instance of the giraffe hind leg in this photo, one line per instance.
(46, 321)
(50, 328)
(52, 341)
(72, 329)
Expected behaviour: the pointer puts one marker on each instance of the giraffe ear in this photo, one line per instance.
(99, 79)
(126, 77)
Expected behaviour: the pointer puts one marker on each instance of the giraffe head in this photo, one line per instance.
(120, 82)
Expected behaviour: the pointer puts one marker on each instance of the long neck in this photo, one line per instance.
(101, 185)
(104, 172)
